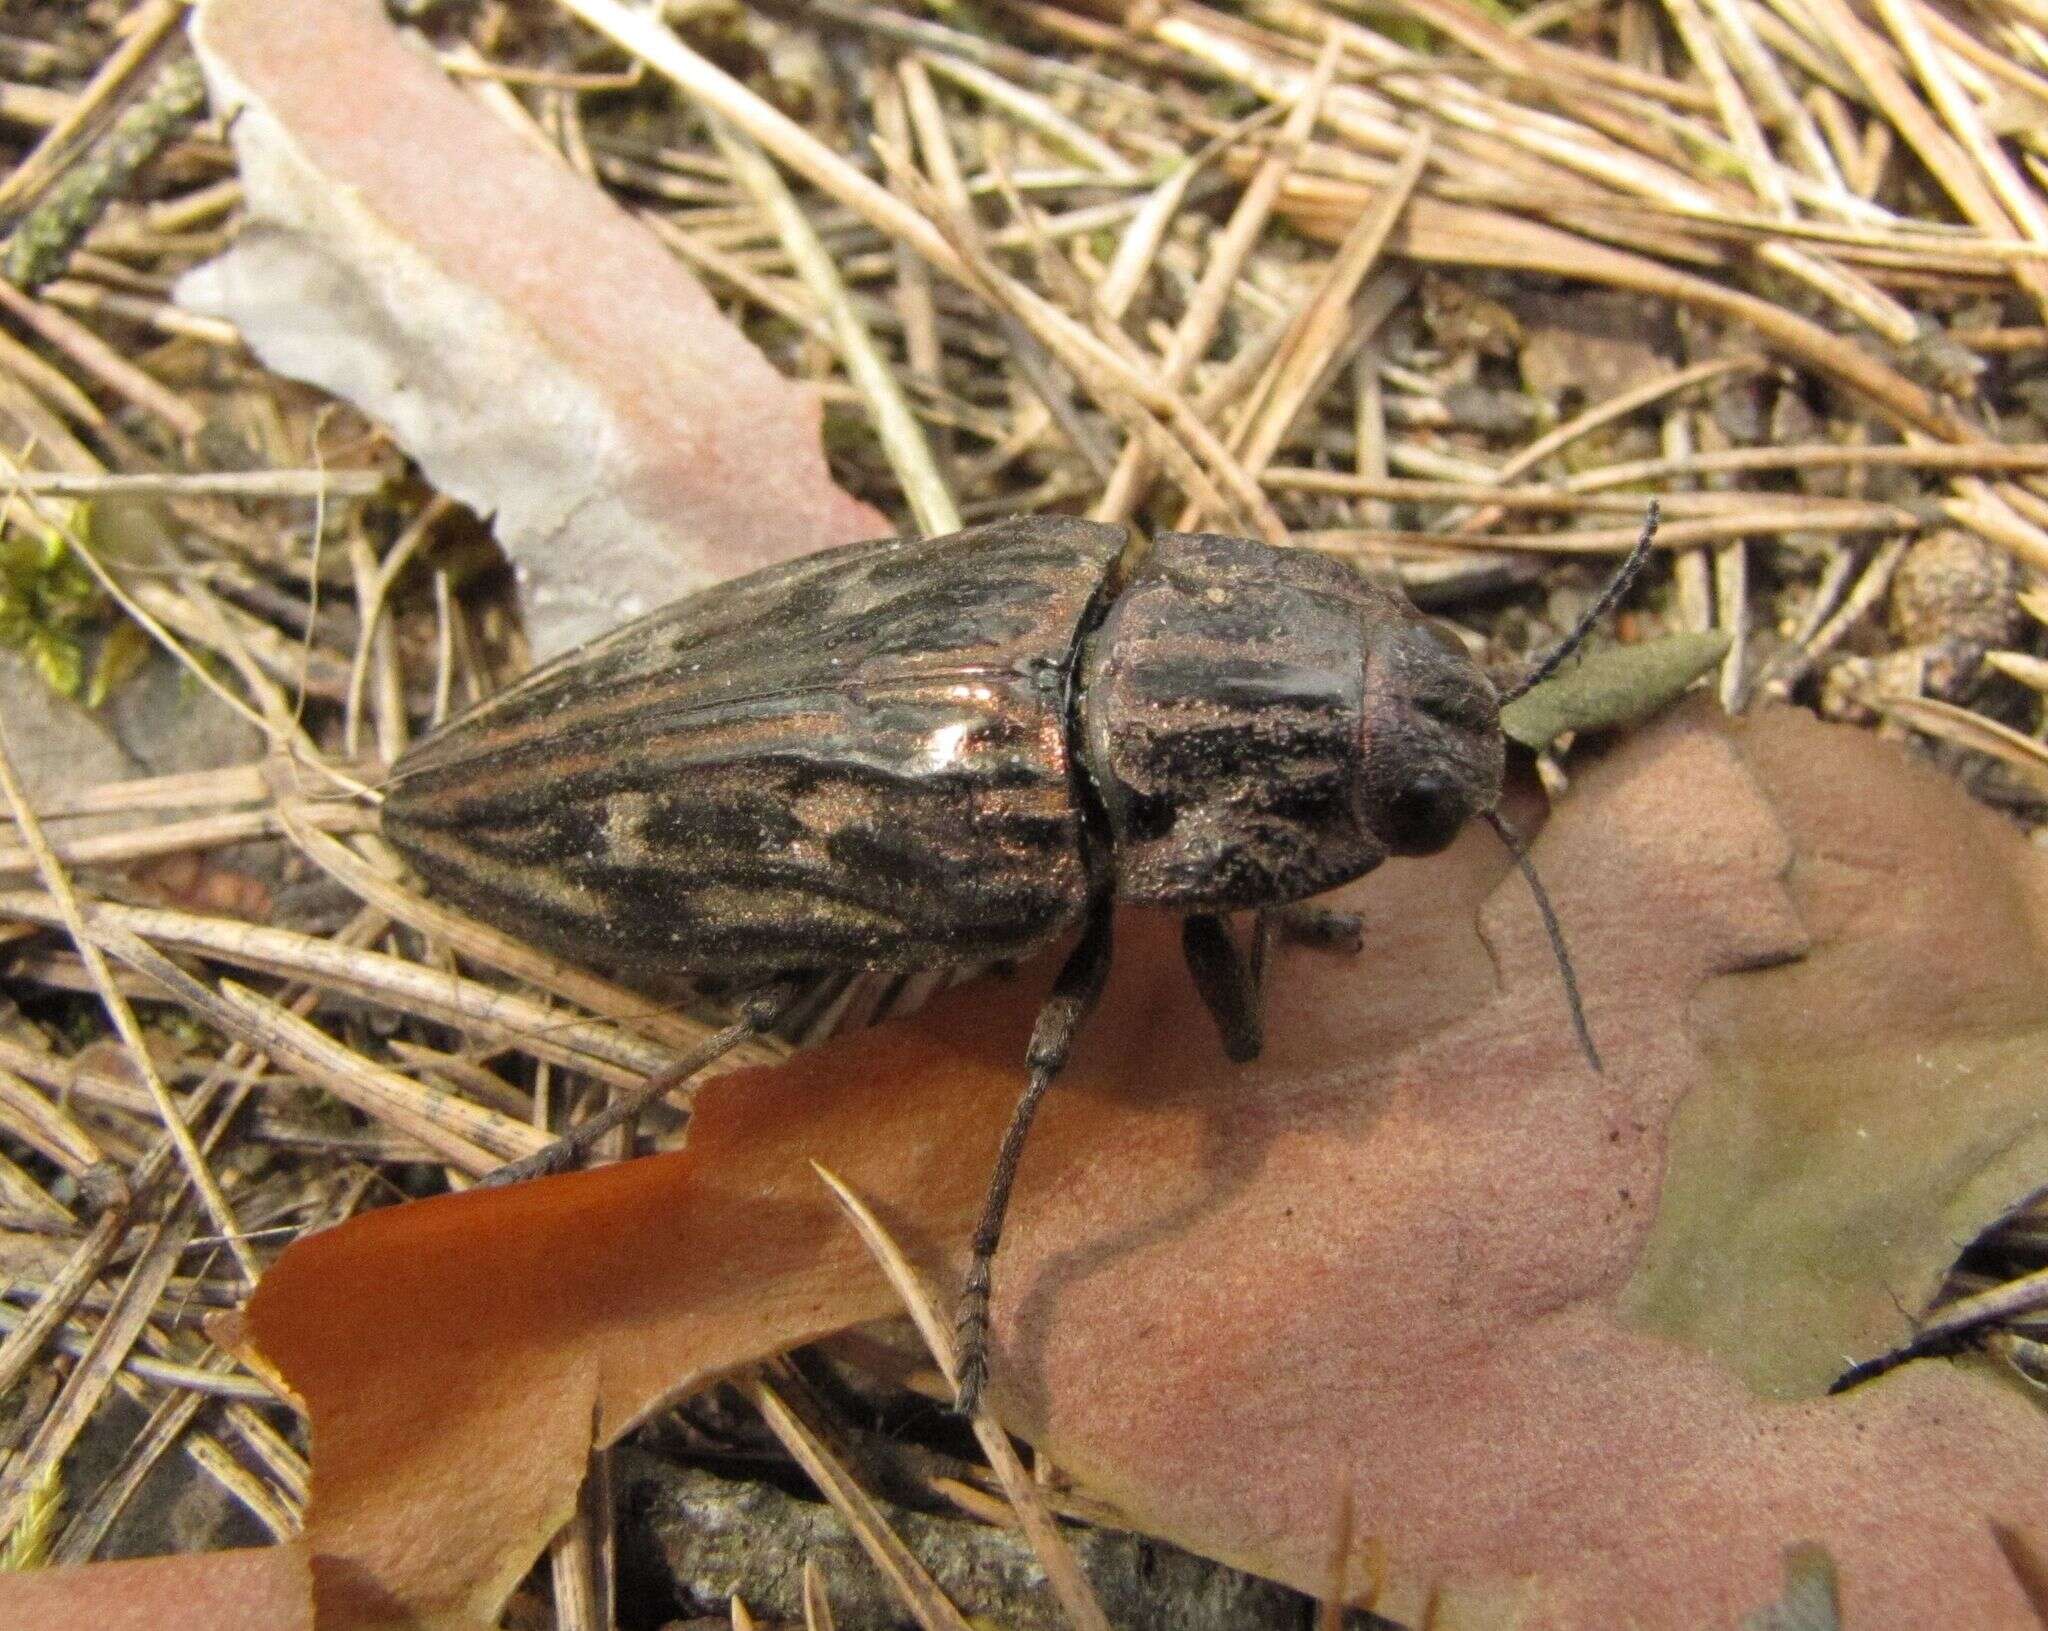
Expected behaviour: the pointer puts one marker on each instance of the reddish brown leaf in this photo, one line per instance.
(1399, 1262)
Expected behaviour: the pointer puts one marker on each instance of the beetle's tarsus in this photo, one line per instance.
(973, 1380)
(970, 1335)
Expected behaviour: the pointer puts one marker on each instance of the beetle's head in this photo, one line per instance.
(1430, 727)
(1262, 725)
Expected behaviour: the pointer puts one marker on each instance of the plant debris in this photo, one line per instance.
(1620, 685)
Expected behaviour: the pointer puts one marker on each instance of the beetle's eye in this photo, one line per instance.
(1425, 816)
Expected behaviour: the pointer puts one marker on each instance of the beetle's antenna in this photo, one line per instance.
(1617, 586)
(1506, 834)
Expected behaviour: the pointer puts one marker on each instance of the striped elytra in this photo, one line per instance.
(857, 759)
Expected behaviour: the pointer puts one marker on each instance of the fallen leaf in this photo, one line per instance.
(1612, 685)
(534, 348)
(1555, 1342)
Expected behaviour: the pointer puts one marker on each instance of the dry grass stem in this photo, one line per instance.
(170, 1426)
(902, 437)
(182, 790)
(1035, 112)
(817, 1605)
(920, 1594)
(206, 483)
(374, 580)
(1248, 220)
(2023, 754)
(42, 1122)
(1312, 346)
(504, 1018)
(170, 838)
(72, 918)
(95, 1371)
(100, 360)
(580, 1560)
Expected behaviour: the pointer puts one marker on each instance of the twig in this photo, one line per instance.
(150, 24)
(43, 242)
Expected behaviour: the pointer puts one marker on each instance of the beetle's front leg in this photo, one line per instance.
(1230, 982)
(1074, 994)
(1227, 981)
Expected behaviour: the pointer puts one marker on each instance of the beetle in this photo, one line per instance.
(916, 753)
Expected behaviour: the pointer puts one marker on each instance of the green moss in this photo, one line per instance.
(54, 612)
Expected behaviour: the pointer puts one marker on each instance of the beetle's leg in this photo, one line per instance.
(757, 1014)
(1228, 983)
(1307, 924)
(1073, 994)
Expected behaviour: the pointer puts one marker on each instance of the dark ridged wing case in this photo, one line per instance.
(856, 759)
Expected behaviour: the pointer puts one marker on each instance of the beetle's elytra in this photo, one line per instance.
(912, 753)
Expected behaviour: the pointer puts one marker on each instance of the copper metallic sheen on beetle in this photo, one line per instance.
(911, 753)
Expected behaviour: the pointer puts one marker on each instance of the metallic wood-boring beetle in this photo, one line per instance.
(925, 752)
